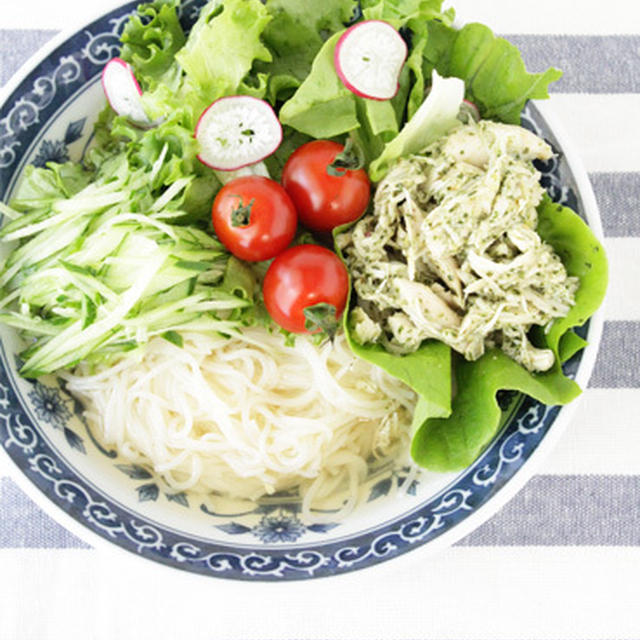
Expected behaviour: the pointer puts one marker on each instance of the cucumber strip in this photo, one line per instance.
(157, 165)
(143, 221)
(33, 325)
(43, 246)
(14, 295)
(8, 212)
(77, 342)
(171, 193)
(50, 221)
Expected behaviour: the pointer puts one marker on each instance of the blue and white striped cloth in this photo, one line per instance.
(560, 561)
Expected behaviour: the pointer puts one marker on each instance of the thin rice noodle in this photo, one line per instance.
(245, 417)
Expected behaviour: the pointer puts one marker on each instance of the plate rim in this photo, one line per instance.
(480, 514)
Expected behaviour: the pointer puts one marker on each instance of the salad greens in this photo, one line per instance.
(114, 251)
(151, 39)
(295, 35)
(435, 117)
(222, 46)
(322, 107)
(492, 68)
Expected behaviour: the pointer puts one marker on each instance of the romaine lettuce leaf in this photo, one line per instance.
(450, 444)
(378, 124)
(322, 107)
(492, 68)
(414, 16)
(427, 371)
(415, 65)
(435, 117)
(582, 255)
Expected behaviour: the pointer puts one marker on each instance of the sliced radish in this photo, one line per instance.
(123, 91)
(469, 110)
(237, 131)
(368, 59)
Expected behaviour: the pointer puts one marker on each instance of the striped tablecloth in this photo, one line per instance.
(560, 561)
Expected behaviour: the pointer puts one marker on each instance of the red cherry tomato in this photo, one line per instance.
(324, 201)
(306, 277)
(254, 218)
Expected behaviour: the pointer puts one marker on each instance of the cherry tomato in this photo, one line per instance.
(254, 218)
(306, 278)
(323, 200)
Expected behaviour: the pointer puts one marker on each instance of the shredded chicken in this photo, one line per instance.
(451, 250)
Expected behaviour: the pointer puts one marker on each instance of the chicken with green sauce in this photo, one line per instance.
(451, 251)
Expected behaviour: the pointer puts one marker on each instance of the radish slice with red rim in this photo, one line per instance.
(237, 131)
(368, 59)
(469, 110)
(123, 91)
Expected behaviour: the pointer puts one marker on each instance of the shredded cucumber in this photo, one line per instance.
(93, 276)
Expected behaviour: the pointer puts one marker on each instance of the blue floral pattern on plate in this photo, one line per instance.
(58, 150)
(274, 543)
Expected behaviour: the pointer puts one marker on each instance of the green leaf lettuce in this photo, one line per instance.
(454, 442)
(492, 68)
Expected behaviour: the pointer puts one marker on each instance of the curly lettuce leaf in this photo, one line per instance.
(453, 443)
(295, 35)
(410, 13)
(223, 45)
(151, 39)
(40, 186)
(492, 68)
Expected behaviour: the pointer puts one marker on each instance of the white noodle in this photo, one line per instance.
(247, 416)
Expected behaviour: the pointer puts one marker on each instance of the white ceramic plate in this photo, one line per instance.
(47, 113)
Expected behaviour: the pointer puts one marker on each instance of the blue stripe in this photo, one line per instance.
(618, 362)
(591, 64)
(618, 196)
(566, 511)
(25, 525)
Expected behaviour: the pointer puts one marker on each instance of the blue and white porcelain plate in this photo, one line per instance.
(46, 114)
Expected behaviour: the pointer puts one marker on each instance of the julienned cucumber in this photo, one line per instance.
(90, 279)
